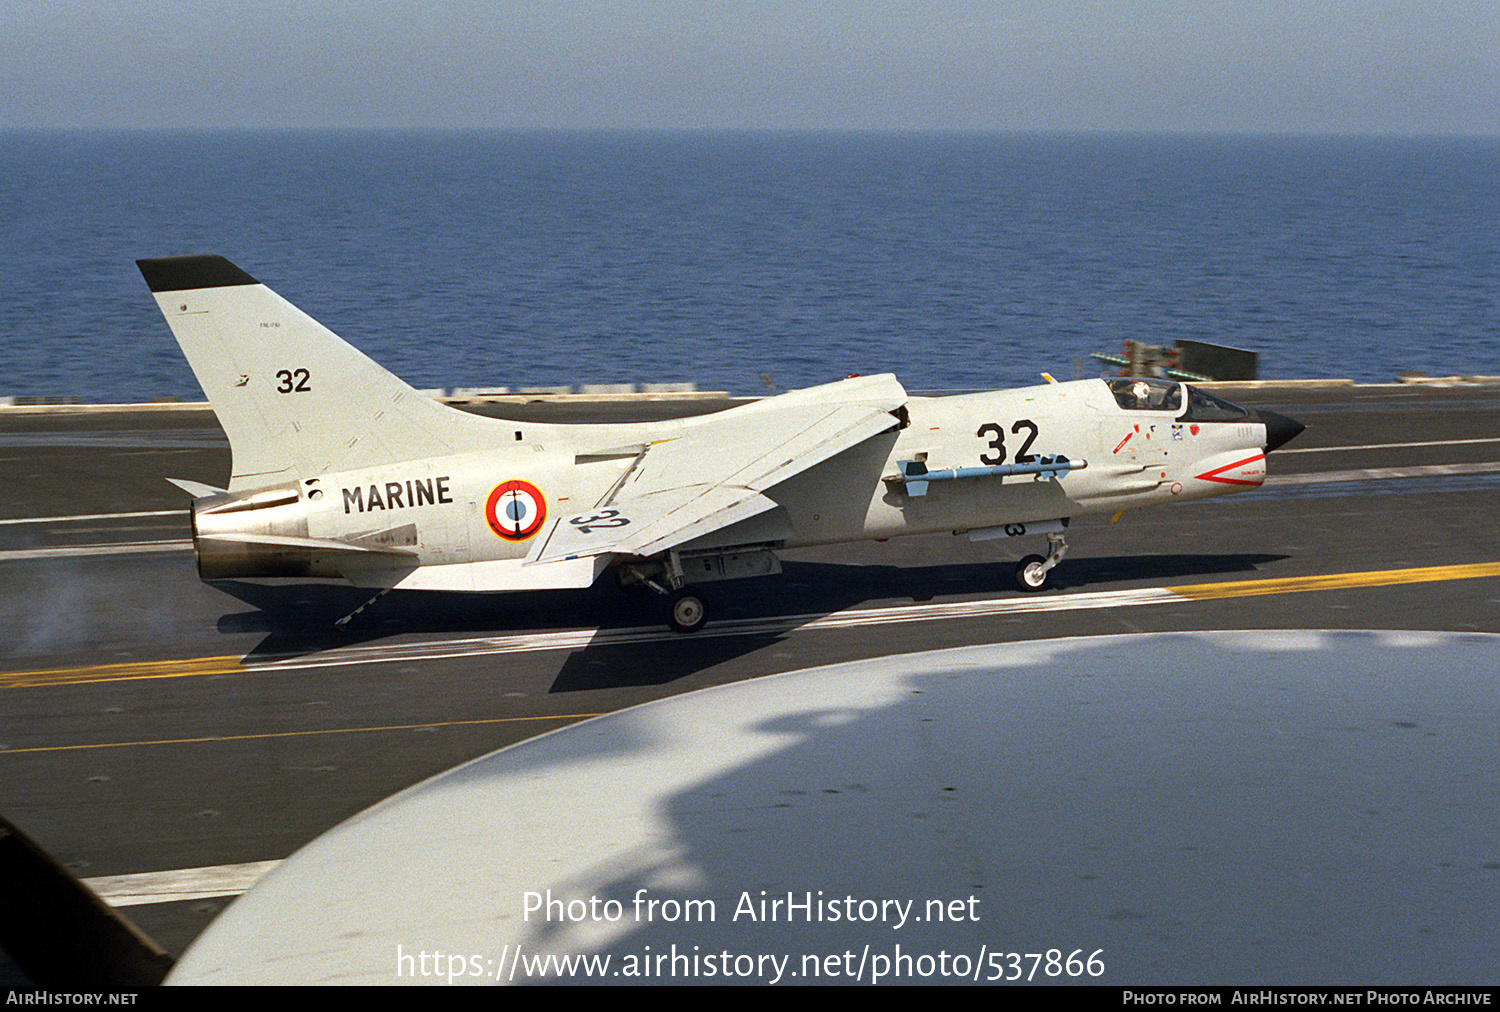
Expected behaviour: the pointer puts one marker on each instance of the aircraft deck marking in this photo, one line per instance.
(1385, 446)
(97, 516)
(1384, 473)
(860, 617)
(123, 672)
(178, 884)
(1337, 581)
(123, 548)
(267, 735)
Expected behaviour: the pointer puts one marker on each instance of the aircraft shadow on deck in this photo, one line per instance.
(300, 620)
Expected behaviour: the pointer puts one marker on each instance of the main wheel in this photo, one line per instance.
(686, 612)
(1030, 575)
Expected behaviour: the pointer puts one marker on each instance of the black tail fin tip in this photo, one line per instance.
(179, 274)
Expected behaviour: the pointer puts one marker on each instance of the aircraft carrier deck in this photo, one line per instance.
(153, 726)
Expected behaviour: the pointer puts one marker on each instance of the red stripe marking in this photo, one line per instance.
(1214, 474)
(1123, 442)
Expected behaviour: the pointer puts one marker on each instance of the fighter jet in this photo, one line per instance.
(341, 470)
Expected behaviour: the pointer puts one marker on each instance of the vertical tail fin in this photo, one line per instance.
(293, 398)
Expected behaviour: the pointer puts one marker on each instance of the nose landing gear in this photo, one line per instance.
(1034, 572)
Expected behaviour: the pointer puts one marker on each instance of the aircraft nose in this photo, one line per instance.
(1280, 429)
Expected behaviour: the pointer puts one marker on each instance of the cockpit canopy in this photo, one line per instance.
(1137, 393)
(1142, 394)
(1204, 407)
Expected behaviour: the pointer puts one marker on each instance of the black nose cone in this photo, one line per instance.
(1280, 429)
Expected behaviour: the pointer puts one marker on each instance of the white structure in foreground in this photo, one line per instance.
(1231, 808)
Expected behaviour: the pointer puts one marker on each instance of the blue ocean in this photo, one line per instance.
(758, 262)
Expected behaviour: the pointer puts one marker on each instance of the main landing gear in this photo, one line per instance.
(1034, 572)
(686, 610)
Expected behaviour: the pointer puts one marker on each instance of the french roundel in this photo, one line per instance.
(515, 510)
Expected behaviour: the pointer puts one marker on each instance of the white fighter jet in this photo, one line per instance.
(341, 470)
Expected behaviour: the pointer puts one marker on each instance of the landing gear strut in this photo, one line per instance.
(686, 610)
(1034, 572)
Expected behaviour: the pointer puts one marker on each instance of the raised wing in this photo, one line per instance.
(711, 472)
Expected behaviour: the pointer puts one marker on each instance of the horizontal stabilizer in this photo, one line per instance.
(196, 489)
(310, 544)
(494, 575)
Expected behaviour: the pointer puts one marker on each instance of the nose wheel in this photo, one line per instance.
(1034, 572)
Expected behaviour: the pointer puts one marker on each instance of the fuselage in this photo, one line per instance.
(1143, 443)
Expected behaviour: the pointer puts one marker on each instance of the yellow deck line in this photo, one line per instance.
(123, 672)
(201, 666)
(297, 734)
(1336, 581)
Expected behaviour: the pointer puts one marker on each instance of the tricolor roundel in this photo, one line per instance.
(515, 510)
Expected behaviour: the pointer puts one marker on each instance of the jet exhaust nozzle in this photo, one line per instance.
(252, 535)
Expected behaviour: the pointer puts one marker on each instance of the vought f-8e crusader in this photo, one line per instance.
(339, 469)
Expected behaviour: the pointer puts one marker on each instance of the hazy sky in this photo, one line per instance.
(1383, 66)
